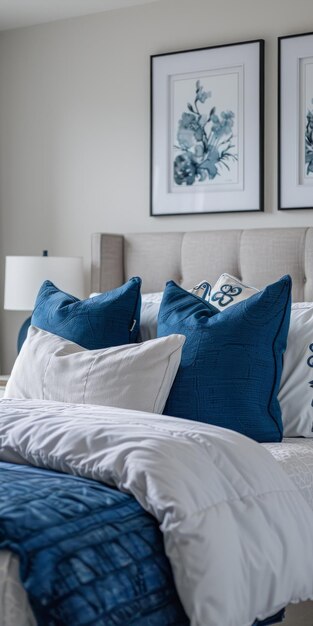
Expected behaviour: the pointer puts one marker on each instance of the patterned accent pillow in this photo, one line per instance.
(229, 290)
(110, 319)
(296, 389)
(202, 290)
(231, 364)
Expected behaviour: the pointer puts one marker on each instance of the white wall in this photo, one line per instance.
(74, 124)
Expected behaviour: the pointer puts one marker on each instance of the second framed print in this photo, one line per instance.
(295, 122)
(207, 130)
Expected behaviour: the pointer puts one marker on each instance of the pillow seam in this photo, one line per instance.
(87, 378)
(164, 377)
(44, 376)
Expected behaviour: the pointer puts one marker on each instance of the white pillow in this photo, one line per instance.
(150, 305)
(136, 376)
(229, 290)
(296, 387)
(155, 297)
(148, 321)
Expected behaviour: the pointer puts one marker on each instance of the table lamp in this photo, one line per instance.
(24, 276)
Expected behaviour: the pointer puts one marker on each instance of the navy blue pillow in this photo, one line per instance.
(232, 360)
(110, 319)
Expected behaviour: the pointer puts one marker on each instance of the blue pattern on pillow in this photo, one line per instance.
(109, 319)
(226, 295)
(232, 360)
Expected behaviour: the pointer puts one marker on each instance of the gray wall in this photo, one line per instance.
(74, 124)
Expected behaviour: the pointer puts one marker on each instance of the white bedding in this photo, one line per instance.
(223, 502)
(295, 456)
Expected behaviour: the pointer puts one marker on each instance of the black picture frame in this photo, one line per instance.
(294, 187)
(216, 65)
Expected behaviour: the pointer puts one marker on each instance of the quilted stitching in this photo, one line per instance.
(90, 555)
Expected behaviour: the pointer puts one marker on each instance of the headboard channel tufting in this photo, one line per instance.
(258, 257)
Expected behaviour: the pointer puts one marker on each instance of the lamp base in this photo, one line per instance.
(23, 333)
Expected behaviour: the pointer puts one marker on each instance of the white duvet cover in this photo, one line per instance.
(237, 530)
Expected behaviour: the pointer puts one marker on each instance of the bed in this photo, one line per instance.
(257, 257)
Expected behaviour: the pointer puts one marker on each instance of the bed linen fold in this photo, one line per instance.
(237, 532)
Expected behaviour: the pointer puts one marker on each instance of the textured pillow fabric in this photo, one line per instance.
(110, 319)
(137, 376)
(229, 290)
(150, 306)
(296, 389)
(232, 361)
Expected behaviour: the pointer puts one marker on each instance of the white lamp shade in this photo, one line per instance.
(24, 276)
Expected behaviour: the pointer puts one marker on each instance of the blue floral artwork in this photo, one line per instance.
(309, 143)
(206, 143)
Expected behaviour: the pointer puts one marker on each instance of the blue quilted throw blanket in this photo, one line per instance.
(89, 554)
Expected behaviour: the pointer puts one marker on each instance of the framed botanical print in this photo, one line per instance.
(207, 130)
(295, 122)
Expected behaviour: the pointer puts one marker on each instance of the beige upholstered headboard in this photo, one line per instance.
(258, 257)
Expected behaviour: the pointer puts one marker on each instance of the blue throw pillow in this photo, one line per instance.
(232, 360)
(109, 319)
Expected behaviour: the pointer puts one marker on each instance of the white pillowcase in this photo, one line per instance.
(296, 387)
(150, 305)
(136, 376)
(155, 297)
(229, 290)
